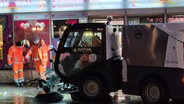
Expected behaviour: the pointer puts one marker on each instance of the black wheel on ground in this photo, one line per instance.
(154, 92)
(93, 88)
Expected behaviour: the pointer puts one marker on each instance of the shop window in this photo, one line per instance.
(59, 26)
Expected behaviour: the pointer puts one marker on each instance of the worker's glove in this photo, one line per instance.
(43, 63)
(10, 66)
(50, 47)
(25, 60)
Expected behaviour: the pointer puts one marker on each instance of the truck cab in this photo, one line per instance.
(84, 59)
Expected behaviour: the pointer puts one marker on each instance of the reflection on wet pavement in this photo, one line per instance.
(17, 95)
(10, 94)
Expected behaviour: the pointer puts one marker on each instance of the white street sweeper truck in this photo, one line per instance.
(151, 65)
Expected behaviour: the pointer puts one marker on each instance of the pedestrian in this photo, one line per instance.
(109, 19)
(39, 53)
(115, 52)
(15, 61)
(114, 43)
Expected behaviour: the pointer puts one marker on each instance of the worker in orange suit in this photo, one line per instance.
(15, 61)
(39, 52)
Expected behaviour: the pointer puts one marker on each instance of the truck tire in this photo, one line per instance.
(92, 88)
(153, 92)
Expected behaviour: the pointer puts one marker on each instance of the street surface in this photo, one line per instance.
(10, 94)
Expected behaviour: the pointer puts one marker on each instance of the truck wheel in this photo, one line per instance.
(92, 88)
(153, 92)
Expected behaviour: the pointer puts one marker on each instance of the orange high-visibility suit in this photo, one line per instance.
(15, 58)
(40, 56)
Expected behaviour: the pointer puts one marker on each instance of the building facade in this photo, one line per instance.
(22, 19)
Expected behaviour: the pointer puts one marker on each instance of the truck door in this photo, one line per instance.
(80, 48)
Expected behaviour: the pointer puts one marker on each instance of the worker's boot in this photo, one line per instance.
(17, 84)
(21, 84)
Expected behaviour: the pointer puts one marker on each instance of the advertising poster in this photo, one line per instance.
(21, 6)
(68, 5)
(153, 3)
(30, 6)
(6, 38)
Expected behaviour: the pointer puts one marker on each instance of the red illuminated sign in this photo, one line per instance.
(72, 21)
(159, 19)
(176, 19)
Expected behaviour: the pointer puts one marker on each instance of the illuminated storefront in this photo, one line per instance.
(6, 39)
(59, 23)
(26, 26)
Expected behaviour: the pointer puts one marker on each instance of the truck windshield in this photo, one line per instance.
(84, 39)
(82, 48)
